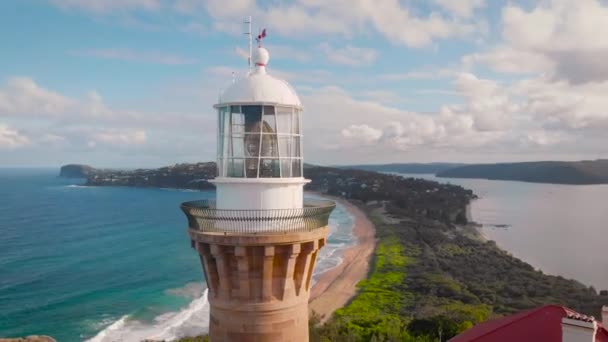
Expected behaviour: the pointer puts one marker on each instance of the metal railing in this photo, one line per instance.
(202, 215)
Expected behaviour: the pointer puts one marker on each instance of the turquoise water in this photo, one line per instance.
(78, 260)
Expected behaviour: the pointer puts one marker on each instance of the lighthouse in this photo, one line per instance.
(259, 240)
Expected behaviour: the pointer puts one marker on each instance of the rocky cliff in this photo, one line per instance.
(75, 171)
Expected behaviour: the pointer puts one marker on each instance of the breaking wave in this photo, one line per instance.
(194, 320)
(191, 321)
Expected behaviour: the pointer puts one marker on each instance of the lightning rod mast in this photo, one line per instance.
(248, 33)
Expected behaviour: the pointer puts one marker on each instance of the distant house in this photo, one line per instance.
(551, 323)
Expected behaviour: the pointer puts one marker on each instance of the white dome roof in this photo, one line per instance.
(259, 87)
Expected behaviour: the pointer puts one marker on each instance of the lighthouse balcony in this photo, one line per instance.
(205, 217)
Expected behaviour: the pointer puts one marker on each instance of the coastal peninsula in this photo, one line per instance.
(584, 172)
(430, 268)
(556, 172)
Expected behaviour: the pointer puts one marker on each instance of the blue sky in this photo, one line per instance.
(132, 83)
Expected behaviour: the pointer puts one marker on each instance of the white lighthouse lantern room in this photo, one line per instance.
(259, 155)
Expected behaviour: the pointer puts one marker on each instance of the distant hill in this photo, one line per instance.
(75, 171)
(405, 167)
(557, 172)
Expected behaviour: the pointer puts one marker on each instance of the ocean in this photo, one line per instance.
(106, 263)
(559, 229)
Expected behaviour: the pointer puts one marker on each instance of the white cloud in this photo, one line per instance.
(362, 132)
(121, 138)
(488, 103)
(461, 8)
(424, 73)
(11, 138)
(345, 18)
(544, 138)
(384, 96)
(238, 8)
(285, 52)
(495, 119)
(126, 54)
(510, 60)
(397, 21)
(54, 121)
(342, 122)
(557, 37)
(105, 6)
(21, 95)
(349, 55)
(567, 106)
(294, 53)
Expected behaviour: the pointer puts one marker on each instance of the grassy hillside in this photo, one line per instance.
(581, 172)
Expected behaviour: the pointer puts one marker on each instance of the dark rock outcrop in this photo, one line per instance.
(75, 171)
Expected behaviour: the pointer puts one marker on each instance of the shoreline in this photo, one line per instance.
(338, 285)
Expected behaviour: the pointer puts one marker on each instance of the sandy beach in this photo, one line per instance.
(337, 286)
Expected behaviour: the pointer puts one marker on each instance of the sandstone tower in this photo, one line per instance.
(259, 240)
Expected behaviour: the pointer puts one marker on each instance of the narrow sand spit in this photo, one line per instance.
(338, 286)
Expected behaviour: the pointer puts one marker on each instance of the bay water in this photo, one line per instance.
(559, 229)
(106, 263)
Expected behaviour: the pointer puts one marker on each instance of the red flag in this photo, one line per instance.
(262, 35)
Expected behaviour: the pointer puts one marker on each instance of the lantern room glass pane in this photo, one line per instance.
(270, 122)
(269, 110)
(269, 168)
(226, 147)
(285, 168)
(259, 141)
(284, 146)
(220, 137)
(252, 145)
(284, 120)
(269, 146)
(225, 120)
(251, 167)
(237, 147)
(235, 168)
(253, 118)
(237, 128)
(295, 126)
(296, 168)
(294, 148)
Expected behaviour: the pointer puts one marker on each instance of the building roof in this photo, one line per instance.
(540, 324)
(259, 87)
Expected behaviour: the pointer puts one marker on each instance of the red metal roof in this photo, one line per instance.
(540, 324)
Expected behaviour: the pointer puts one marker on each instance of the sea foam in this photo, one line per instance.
(194, 320)
(191, 321)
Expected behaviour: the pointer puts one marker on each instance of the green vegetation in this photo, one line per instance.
(375, 311)
(433, 276)
(581, 172)
(405, 167)
(559, 172)
(382, 311)
(195, 339)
